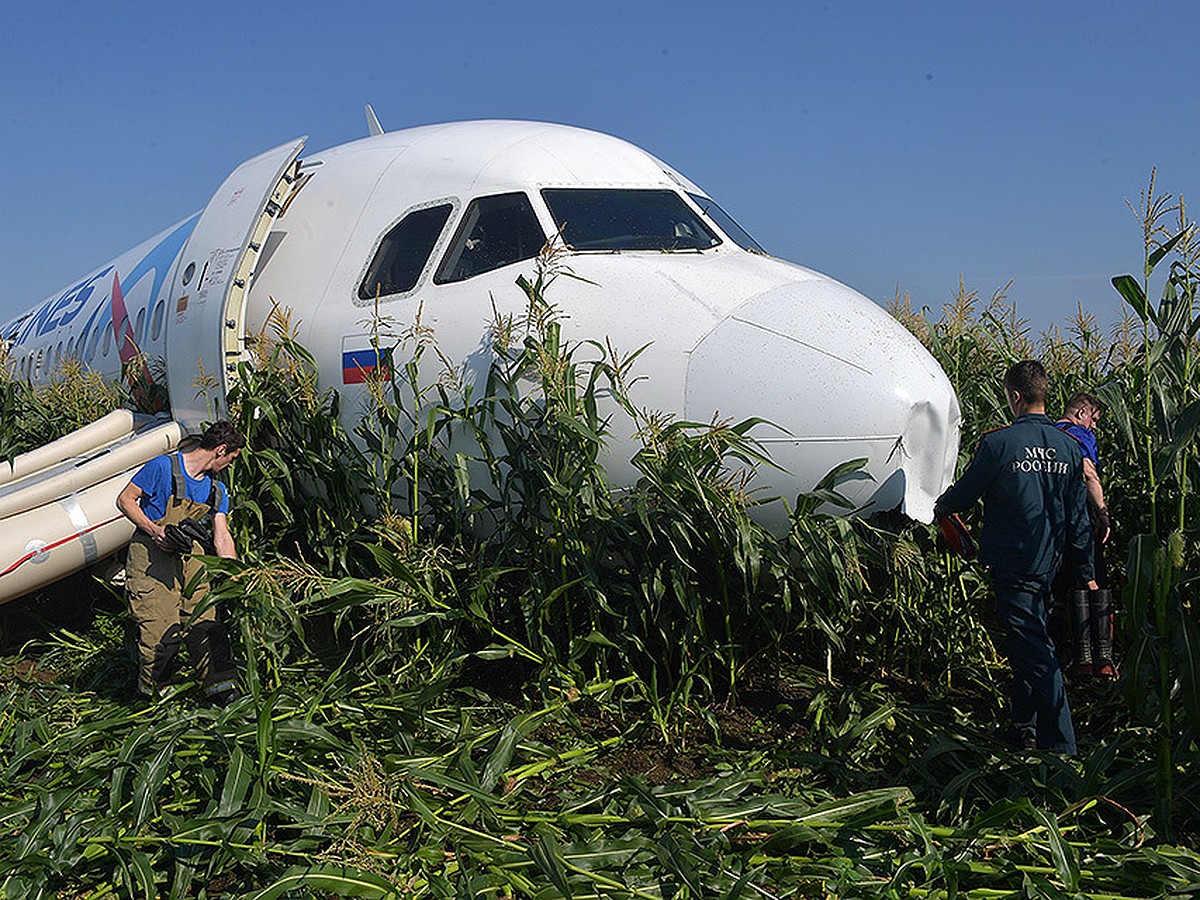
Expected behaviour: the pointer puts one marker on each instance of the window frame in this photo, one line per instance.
(455, 245)
(431, 261)
(717, 235)
(156, 320)
(695, 197)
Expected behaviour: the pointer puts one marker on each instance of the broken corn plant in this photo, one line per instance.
(521, 684)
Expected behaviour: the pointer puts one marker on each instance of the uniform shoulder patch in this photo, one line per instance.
(989, 431)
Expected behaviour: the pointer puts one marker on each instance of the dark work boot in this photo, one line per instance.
(1018, 739)
(1101, 610)
(1081, 634)
(223, 695)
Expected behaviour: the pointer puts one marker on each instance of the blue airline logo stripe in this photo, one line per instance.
(62, 310)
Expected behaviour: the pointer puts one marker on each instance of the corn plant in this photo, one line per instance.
(335, 784)
(1156, 406)
(1146, 375)
(299, 491)
(672, 578)
(32, 416)
(461, 651)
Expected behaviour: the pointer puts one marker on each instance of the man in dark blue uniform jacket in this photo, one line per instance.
(1030, 476)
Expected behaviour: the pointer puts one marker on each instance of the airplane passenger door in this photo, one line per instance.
(206, 328)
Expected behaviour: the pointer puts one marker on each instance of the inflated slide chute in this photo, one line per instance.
(58, 510)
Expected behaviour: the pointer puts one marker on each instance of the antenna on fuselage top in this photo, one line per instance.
(373, 125)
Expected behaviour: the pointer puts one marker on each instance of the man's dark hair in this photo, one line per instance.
(1081, 400)
(1028, 378)
(223, 432)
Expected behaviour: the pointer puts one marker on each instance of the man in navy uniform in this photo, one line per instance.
(1030, 477)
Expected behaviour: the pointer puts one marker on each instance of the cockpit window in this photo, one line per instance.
(726, 223)
(495, 231)
(619, 219)
(403, 253)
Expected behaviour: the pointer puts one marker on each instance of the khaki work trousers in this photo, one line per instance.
(164, 610)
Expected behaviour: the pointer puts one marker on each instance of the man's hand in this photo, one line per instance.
(158, 534)
(127, 503)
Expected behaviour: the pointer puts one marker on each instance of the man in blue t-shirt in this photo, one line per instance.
(179, 508)
(1079, 419)
(1089, 614)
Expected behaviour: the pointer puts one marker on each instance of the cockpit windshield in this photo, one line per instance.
(626, 219)
(726, 223)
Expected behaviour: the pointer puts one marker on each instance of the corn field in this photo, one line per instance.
(473, 669)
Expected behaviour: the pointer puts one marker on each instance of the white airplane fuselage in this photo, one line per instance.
(440, 220)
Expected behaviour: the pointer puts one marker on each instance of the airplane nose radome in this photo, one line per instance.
(844, 381)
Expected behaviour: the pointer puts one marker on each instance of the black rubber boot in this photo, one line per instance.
(1081, 633)
(1101, 614)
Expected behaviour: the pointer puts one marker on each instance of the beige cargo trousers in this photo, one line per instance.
(164, 610)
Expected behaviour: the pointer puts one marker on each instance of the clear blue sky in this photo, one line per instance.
(889, 144)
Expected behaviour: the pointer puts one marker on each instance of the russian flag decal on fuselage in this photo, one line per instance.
(361, 360)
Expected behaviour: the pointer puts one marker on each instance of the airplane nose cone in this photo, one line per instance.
(845, 381)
